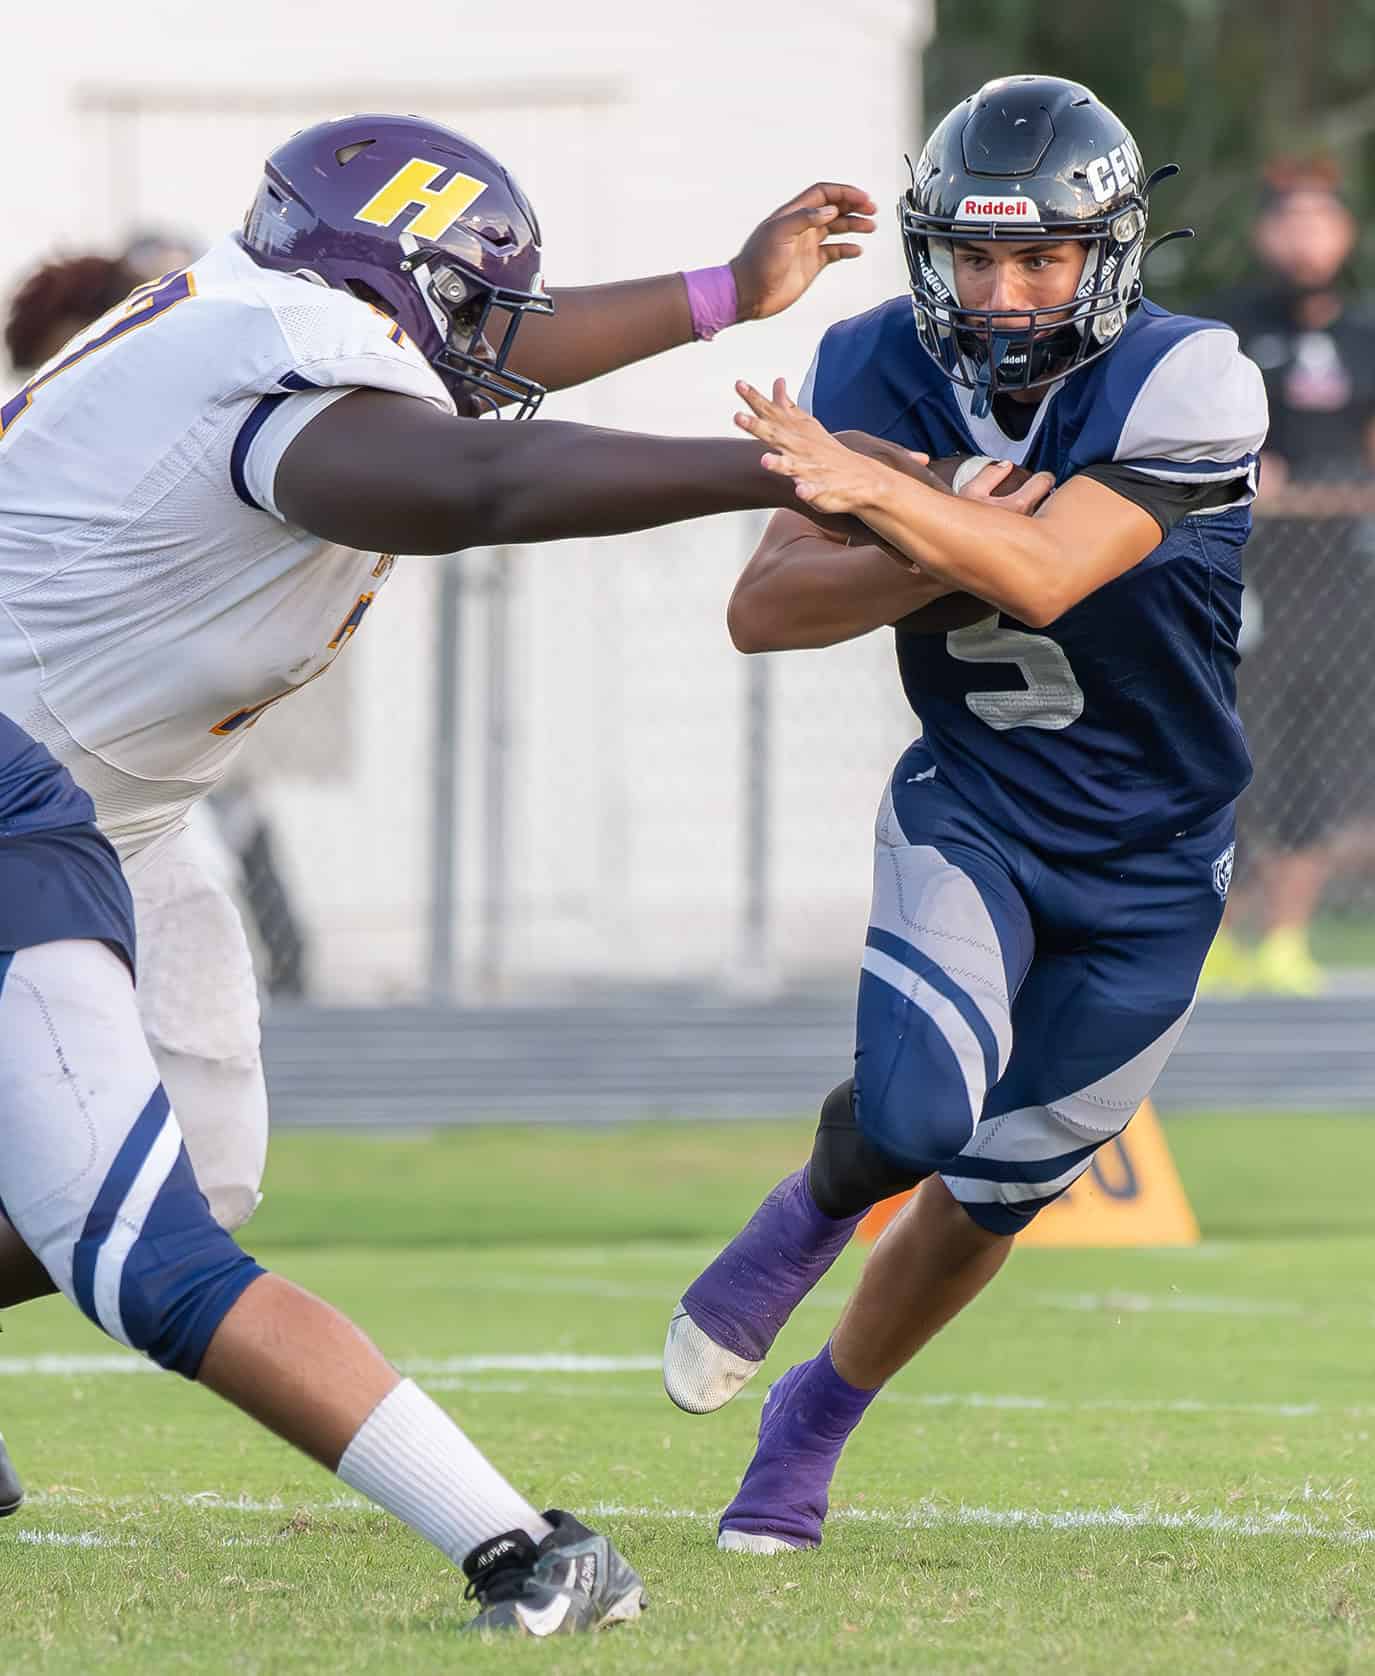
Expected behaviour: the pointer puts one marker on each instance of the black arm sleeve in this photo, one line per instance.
(1167, 503)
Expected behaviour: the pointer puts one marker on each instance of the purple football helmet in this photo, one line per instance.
(422, 223)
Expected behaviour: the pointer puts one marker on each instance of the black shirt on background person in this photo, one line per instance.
(1320, 379)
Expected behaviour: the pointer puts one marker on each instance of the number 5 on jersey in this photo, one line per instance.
(1051, 698)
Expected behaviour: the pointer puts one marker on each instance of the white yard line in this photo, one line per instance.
(930, 1516)
(93, 1539)
(922, 1516)
(1177, 1303)
(537, 1285)
(78, 1366)
(1117, 1405)
(547, 1362)
(208, 1501)
(476, 1374)
(995, 1400)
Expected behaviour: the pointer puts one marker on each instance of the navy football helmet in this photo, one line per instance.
(1030, 158)
(421, 222)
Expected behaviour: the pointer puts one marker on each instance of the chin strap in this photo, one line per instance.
(982, 402)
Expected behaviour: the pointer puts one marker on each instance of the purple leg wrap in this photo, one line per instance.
(741, 1300)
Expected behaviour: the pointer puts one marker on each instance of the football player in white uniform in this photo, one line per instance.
(203, 492)
(96, 1178)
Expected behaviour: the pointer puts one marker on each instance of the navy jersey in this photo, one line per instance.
(59, 877)
(1116, 725)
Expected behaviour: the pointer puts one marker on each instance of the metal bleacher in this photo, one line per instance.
(684, 1054)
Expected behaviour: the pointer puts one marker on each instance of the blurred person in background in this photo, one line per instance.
(60, 299)
(154, 251)
(1307, 683)
(231, 828)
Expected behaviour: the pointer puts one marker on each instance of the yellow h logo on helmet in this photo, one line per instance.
(437, 211)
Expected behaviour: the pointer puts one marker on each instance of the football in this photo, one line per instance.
(958, 611)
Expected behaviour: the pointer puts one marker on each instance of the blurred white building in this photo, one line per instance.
(605, 827)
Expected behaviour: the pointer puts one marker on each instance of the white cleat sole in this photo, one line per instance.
(699, 1375)
(11, 1490)
(626, 1610)
(752, 1542)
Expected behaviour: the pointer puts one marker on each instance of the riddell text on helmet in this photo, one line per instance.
(998, 209)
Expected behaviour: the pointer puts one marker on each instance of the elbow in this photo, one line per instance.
(1039, 612)
(1040, 606)
(1034, 583)
(747, 626)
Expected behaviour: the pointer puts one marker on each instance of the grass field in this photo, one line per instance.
(1115, 1462)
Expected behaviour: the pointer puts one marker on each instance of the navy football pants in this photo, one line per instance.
(1015, 1010)
(93, 1170)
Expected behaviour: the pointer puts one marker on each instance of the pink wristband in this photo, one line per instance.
(713, 300)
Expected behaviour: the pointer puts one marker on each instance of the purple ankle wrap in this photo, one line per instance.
(808, 1415)
(837, 1405)
(713, 300)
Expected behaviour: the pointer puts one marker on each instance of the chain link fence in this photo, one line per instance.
(566, 782)
(1306, 845)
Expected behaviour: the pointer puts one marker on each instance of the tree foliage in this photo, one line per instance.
(1219, 86)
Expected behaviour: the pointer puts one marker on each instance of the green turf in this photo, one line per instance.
(1219, 1396)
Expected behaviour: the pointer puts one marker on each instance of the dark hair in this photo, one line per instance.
(1282, 177)
(75, 289)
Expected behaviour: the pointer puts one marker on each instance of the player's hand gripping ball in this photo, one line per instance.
(973, 477)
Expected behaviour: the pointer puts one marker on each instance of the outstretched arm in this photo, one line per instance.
(1034, 568)
(596, 328)
(387, 473)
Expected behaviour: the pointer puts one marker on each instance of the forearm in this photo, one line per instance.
(596, 328)
(1012, 561)
(555, 482)
(388, 474)
(814, 592)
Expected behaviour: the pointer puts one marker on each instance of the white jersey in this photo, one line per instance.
(153, 601)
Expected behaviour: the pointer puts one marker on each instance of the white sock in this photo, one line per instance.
(409, 1457)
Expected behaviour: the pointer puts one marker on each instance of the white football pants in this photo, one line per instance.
(198, 1001)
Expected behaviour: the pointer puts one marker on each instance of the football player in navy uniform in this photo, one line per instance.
(1053, 852)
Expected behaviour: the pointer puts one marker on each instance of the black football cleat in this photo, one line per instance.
(11, 1490)
(574, 1581)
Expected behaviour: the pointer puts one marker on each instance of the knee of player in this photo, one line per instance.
(232, 1204)
(846, 1173)
(919, 1123)
(921, 1072)
(166, 1290)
